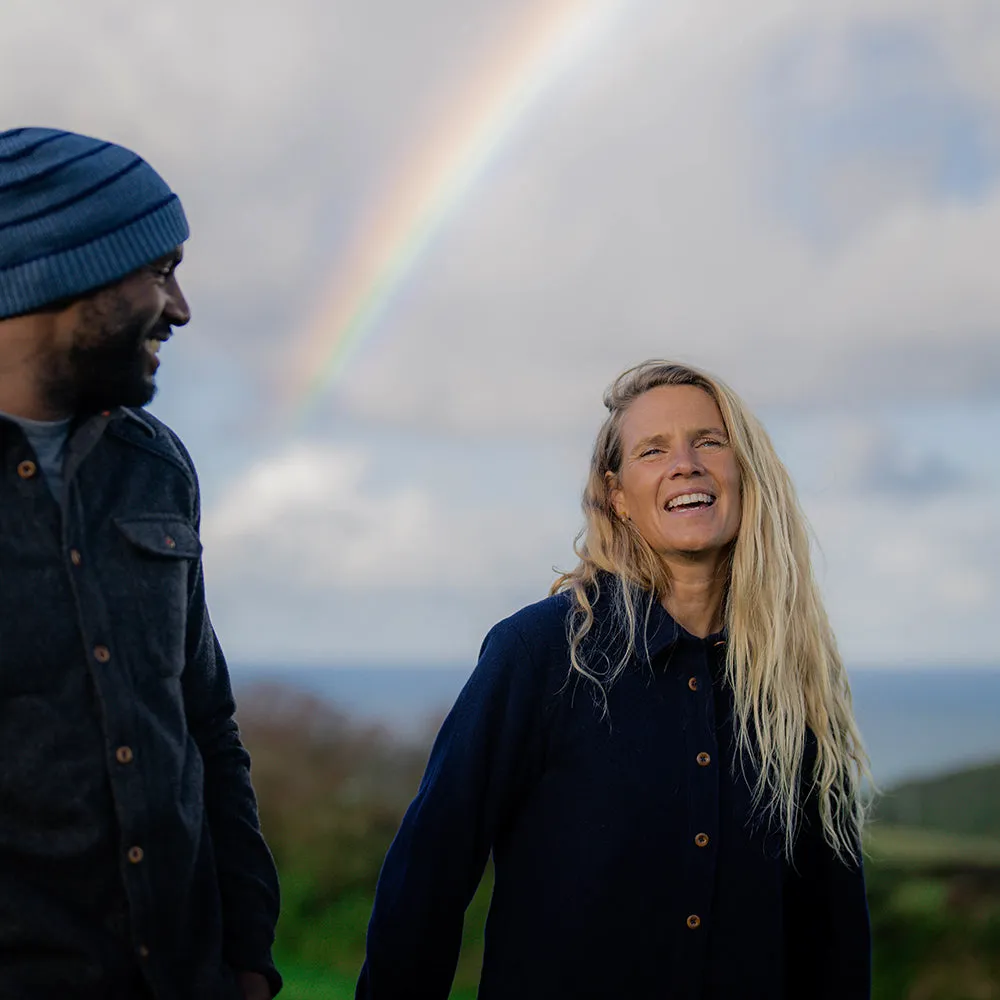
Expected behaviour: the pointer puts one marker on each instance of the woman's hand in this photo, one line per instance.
(254, 986)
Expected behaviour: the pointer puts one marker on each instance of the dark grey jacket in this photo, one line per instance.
(130, 849)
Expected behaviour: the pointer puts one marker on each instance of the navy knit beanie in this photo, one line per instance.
(75, 214)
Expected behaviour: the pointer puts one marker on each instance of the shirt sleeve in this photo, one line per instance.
(826, 920)
(482, 760)
(248, 880)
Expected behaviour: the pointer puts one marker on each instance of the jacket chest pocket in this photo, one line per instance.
(161, 553)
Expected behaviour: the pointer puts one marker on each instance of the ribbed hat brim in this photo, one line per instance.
(101, 261)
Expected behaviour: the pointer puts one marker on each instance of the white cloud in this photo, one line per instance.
(330, 516)
(911, 582)
(344, 554)
(307, 519)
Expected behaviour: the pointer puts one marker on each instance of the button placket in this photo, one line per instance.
(702, 745)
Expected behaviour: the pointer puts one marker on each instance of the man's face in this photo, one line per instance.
(106, 352)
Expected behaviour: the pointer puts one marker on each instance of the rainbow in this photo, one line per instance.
(397, 234)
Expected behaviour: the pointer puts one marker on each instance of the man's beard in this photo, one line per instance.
(108, 364)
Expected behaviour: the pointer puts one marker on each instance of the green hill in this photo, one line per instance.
(961, 802)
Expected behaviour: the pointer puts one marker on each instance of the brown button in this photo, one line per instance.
(703, 759)
(74, 557)
(701, 839)
(135, 855)
(170, 543)
(694, 921)
(143, 951)
(693, 683)
(27, 469)
(124, 755)
(102, 654)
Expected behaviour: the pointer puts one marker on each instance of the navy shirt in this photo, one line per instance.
(629, 861)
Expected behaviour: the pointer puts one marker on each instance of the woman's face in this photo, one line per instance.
(679, 481)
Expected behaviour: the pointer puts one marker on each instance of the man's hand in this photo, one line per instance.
(254, 986)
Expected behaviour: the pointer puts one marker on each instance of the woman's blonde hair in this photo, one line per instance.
(781, 656)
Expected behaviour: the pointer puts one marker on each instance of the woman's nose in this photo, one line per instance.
(685, 462)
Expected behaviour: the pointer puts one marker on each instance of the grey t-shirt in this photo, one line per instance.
(48, 438)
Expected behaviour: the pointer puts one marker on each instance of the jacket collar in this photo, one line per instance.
(90, 430)
(137, 417)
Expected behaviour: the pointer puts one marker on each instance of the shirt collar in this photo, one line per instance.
(656, 631)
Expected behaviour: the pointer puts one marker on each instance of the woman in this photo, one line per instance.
(661, 756)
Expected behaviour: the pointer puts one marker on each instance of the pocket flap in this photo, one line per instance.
(162, 535)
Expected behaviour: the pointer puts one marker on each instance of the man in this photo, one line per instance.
(131, 859)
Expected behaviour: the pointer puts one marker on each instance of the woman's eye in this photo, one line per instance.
(650, 451)
(710, 442)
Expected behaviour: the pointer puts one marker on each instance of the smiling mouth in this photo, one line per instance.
(153, 343)
(152, 350)
(690, 501)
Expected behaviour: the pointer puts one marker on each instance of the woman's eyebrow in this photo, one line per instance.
(656, 439)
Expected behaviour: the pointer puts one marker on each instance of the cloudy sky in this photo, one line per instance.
(803, 198)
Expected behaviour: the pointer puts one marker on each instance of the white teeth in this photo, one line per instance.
(153, 346)
(689, 498)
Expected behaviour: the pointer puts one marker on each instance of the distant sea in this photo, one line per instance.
(915, 722)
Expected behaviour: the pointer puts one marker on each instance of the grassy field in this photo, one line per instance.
(304, 983)
(904, 847)
(311, 983)
(935, 906)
